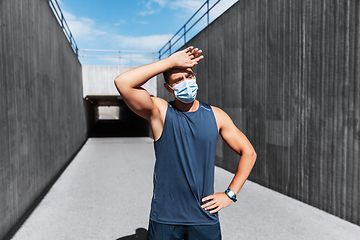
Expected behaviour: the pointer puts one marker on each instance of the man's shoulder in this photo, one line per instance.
(220, 115)
(217, 110)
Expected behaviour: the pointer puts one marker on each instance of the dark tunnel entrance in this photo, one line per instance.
(122, 122)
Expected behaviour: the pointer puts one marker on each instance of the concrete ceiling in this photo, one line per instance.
(105, 100)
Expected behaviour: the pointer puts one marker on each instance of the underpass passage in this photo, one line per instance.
(106, 192)
(120, 123)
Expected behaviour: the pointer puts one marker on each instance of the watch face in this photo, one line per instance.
(231, 193)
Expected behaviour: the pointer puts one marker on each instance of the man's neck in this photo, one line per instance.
(186, 107)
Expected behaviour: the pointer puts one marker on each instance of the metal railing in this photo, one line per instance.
(131, 56)
(185, 29)
(54, 5)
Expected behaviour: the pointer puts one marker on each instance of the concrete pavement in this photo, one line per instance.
(105, 193)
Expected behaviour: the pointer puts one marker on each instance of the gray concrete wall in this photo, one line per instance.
(99, 80)
(42, 110)
(287, 72)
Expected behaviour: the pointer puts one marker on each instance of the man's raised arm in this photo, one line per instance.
(129, 83)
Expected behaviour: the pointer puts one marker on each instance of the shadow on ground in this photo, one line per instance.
(140, 234)
(118, 128)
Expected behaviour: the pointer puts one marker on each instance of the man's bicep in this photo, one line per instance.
(139, 101)
(233, 136)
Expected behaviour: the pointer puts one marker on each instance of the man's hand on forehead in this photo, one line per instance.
(186, 58)
(193, 52)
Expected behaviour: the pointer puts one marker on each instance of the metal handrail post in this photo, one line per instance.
(119, 58)
(169, 48)
(184, 34)
(62, 20)
(207, 12)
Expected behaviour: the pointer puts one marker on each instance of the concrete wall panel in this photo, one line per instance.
(43, 121)
(99, 80)
(287, 73)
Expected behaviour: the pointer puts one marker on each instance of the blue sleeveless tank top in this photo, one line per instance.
(184, 167)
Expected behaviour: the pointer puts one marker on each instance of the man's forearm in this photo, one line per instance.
(138, 76)
(220, 200)
(244, 168)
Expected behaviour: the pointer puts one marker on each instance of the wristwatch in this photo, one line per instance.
(231, 194)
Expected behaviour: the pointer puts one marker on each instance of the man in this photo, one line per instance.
(184, 205)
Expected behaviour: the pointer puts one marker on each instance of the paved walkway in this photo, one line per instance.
(105, 193)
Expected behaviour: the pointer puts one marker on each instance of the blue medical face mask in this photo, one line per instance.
(186, 90)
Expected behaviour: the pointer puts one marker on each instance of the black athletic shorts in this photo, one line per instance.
(159, 231)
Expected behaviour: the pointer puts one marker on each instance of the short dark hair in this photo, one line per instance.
(166, 76)
(168, 73)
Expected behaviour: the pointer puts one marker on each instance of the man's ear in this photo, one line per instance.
(168, 88)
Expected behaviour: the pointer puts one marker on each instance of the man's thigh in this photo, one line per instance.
(206, 232)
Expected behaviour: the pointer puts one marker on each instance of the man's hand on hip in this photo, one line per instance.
(217, 201)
